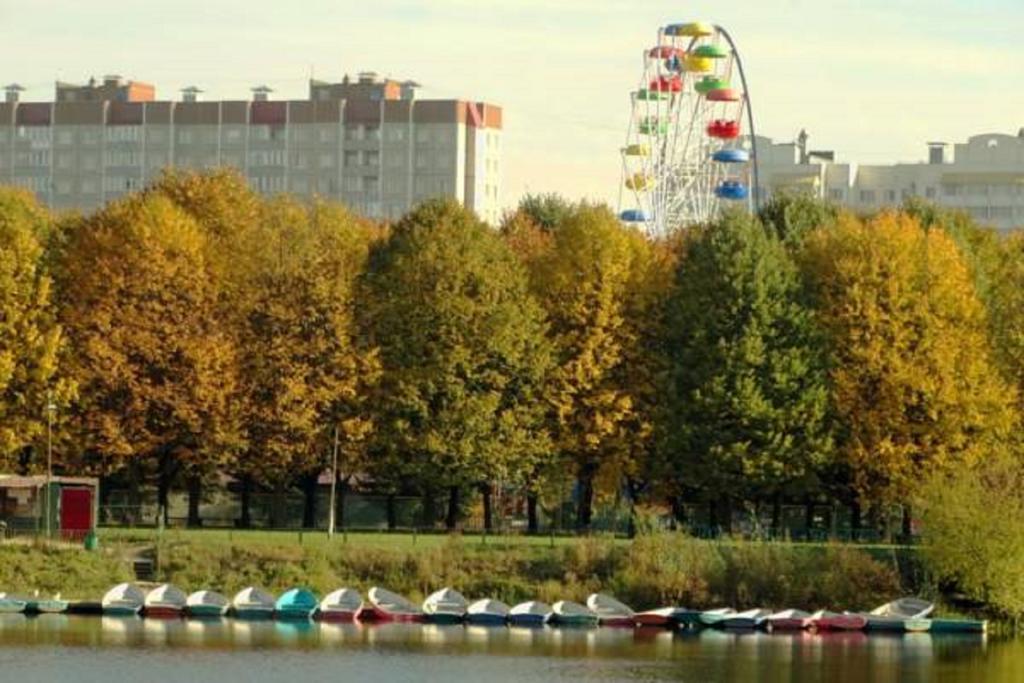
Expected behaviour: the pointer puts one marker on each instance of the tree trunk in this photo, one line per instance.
(339, 509)
(532, 525)
(713, 518)
(486, 489)
(195, 494)
(392, 517)
(585, 505)
(163, 490)
(429, 510)
(310, 484)
(727, 515)
(809, 518)
(776, 514)
(245, 522)
(276, 505)
(678, 511)
(452, 519)
(908, 529)
(855, 520)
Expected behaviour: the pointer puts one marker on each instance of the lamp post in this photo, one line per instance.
(334, 484)
(51, 409)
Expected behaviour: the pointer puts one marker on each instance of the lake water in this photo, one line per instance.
(85, 649)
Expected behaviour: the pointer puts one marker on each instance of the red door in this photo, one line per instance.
(75, 512)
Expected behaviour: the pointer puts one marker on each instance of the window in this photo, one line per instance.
(372, 159)
(63, 186)
(867, 195)
(950, 190)
(90, 162)
(120, 183)
(65, 137)
(371, 183)
(421, 160)
(122, 158)
(836, 194)
(326, 160)
(156, 137)
(929, 192)
(123, 133)
(422, 135)
(351, 159)
(233, 135)
(184, 137)
(890, 195)
(90, 135)
(266, 157)
(39, 157)
(65, 160)
(353, 183)
(326, 134)
(396, 133)
(268, 183)
(89, 186)
(354, 132)
(372, 133)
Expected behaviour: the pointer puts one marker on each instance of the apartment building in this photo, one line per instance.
(367, 142)
(983, 176)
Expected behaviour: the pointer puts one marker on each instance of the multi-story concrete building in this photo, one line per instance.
(984, 176)
(368, 143)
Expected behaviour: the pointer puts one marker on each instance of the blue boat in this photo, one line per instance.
(296, 603)
(488, 612)
(731, 156)
(532, 613)
(732, 189)
(633, 216)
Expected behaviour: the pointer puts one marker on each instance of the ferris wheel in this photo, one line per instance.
(686, 151)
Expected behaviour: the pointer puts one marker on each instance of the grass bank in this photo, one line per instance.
(652, 570)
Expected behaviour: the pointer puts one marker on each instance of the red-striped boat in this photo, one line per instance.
(383, 605)
(788, 620)
(823, 620)
(611, 612)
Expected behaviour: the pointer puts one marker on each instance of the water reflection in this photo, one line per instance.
(648, 653)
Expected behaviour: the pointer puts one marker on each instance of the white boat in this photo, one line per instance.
(895, 615)
(253, 603)
(713, 617)
(531, 613)
(12, 604)
(569, 613)
(124, 598)
(387, 606)
(166, 600)
(749, 619)
(446, 605)
(487, 611)
(611, 612)
(343, 604)
(207, 604)
(788, 620)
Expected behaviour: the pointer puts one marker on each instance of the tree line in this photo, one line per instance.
(195, 329)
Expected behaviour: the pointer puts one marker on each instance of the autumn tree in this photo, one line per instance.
(912, 378)
(153, 364)
(30, 337)
(749, 401)
(597, 282)
(463, 354)
(304, 372)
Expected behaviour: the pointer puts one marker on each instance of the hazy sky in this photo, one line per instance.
(872, 79)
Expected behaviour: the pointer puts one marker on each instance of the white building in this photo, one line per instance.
(983, 176)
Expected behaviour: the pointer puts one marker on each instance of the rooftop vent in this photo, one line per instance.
(937, 152)
(112, 80)
(261, 93)
(367, 76)
(190, 94)
(12, 92)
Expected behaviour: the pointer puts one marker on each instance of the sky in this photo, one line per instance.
(873, 80)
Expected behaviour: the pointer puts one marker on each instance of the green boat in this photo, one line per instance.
(686, 617)
(920, 625)
(54, 606)
(446, 606)
(252, 603)
(568, 613)
(296, 603)
(958, 626)
(206, 604)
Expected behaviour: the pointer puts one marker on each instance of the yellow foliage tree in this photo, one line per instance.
(30, 338)
(912, 379)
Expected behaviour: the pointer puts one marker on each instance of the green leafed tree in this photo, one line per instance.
(749, 402)
(463, 355)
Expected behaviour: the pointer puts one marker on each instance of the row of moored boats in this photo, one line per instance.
(449, 606)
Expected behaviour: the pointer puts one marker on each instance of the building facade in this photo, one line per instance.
(983, 176)
(368, 143)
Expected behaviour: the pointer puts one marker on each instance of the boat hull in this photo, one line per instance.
(573, 620)
(527, 619)
(443, 618)
(162, 611)
(617, 622)
(785, 624)
(206, 611)
(486, 619)
(337, 615)
(642, 619)
(958, 626)
(253, 613)
(294, 613)
(122, 610)
(740, 623)
(842, 622)
(686, 617)
(372, 613)
(47, 606)
(712, 620)
(12, 606)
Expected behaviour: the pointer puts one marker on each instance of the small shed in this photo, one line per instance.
(73, 504)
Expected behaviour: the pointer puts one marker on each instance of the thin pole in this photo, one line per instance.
(334, 484)
(50, 409)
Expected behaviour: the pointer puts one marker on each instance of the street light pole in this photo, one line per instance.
(334, 484)
(51, 408)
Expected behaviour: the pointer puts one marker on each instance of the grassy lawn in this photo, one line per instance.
(313, 539)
